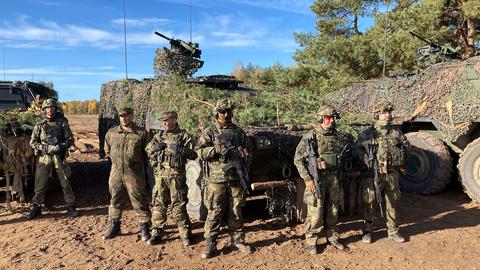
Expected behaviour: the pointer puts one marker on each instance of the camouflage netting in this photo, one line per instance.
(430, 94)
(168, 63)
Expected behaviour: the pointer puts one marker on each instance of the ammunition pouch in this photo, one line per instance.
(330, 160)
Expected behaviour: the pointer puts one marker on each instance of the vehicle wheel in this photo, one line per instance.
(429, 166)
(469, 168)
(194, 174)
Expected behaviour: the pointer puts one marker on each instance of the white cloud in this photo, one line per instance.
(142, 21)
(73, 71)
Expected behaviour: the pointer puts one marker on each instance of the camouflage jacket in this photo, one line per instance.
(47, 132)
(328, 145)
(179, 148)
(125, 148)
(391, 146)
(214, 163)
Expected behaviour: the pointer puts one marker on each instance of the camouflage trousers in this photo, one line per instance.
(170, 188)
(132, 184)
(322, 214)
(391, 195)
(220, 198)
(45, 166)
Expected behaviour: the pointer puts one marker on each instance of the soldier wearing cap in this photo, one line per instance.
(51, 139)
(168, 152)
(322, 205)
(381, 151)
(125, 147)
(224, 194)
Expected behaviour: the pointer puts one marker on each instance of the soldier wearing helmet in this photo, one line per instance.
(168, 153)
(51, 139)
(322, 205)
(224, 194)
(387, 147)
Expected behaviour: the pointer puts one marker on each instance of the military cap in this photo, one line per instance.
(49, 103)
(169, 114)
(125, 111)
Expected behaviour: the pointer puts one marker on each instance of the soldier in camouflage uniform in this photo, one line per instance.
(387, 146)
(168, 152)
(125, 146)
(321, 213)
(224, 194)
(51, 139)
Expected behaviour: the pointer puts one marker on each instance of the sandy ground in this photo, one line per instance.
(443, 232)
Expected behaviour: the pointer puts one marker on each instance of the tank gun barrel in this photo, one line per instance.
(429, 42)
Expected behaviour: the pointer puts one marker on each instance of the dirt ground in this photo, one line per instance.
(442, 231)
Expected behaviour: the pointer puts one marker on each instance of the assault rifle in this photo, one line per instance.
(371, 150)
(57, 163)
(313, 166)
(233, 159)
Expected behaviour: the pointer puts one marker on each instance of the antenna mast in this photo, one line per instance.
(3, 56)
(125, 36)
(385, 40)
(190, 20)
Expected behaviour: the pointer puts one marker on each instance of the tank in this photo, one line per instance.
(438, 108)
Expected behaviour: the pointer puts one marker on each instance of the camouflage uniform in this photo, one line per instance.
(223, 193)
(391, 145)
(321, 213)
(127, 175)
(45, 136)
(169, 162)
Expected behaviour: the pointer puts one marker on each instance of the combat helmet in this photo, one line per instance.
(383, 106)
(49, 103)
(223, 104)
(327, 110)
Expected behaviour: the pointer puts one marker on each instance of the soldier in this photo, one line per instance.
(322, 205)
(51, 139)
(224, 193)
(125, 146)
(168, 152)
(381, 149)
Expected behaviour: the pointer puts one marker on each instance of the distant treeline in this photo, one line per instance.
(80, 107)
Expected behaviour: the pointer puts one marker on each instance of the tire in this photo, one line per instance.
(429, 166)
(469, 170)
(194, 174)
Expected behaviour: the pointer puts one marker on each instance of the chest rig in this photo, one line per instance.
(329, 148)
(172, 156)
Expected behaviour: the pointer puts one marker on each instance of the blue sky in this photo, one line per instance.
(78, 45)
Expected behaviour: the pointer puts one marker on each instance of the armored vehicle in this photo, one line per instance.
(439, 110)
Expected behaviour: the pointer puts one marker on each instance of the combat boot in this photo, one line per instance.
(36, 211)
(397, 237)
(243, 247)
(313, 249)
(145, 231)
(72, 211)
(210, 250)
(337, 244)
(155, 237)
(113, 230)
(367, 237)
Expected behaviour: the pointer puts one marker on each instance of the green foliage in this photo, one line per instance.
(17, 122)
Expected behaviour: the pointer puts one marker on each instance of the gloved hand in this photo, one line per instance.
(53, 149)
(159, 146)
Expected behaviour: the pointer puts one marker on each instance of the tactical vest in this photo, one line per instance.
(329, 147)
(174, 159)
(55, 130)
(389, 151)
